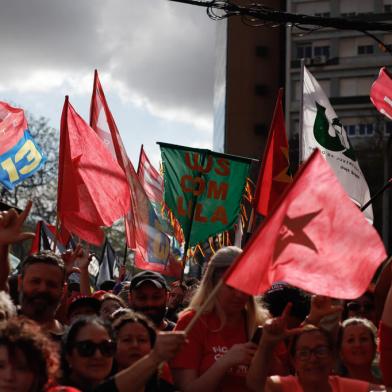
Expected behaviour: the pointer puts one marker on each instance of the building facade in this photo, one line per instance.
(346, 63)
(253, 62)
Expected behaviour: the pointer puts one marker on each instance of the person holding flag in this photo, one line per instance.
(218, 350)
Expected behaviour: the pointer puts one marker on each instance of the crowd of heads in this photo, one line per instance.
(80, 340)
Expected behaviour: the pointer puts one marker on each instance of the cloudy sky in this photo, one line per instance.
(154, 57)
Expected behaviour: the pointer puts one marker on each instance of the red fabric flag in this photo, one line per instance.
(143, 229)
(13, 123)
(274, 174)
(381, 93)
(102, 121)
(150, 178)
(316, 239)
(92, 188)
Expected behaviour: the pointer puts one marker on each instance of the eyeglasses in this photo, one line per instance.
(356, 307)
(87, 348)
(319, 352)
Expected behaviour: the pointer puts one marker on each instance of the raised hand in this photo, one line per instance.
(11, 225)
(321, 307)
(76, 260)
(83, 257)
(167, 345)
(276, 329)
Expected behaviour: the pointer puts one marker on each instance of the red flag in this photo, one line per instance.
(316, 239)
(274, 175)
(102, 121)
(92, 188)
(143, 229)
(381, 93)
(150, 178)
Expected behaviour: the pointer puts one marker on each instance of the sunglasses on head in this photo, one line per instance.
(87, 348)
(356, 307)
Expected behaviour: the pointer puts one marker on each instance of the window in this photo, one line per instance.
(320, 48)
(365, 49)
(304, 51)
(351, 130)
(362, 130)
(369, 129)
(321, 51)
(388, 8)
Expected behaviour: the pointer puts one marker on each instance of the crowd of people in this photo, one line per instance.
(149, 334)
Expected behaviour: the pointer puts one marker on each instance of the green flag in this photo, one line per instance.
(203, 189)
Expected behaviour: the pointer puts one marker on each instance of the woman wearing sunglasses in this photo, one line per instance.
(87, 353)
(312, 354)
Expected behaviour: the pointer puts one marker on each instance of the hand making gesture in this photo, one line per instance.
(321, 307)
(276, 329)
(11, 223)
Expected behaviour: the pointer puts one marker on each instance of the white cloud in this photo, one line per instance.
(156, 53)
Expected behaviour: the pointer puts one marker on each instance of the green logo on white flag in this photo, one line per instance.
(338, 142)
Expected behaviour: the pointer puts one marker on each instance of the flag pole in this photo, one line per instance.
(57, 232)
(301, 111)
(210, 297)
(202, 308)
(189, 231)
(125, 252)
(377, 194)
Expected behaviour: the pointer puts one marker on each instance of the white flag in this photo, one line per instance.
(322, 129)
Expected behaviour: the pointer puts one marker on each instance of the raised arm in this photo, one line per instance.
(11, 231)
(274, 331)
(135, 377)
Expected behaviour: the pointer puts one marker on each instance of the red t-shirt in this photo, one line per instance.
(207, 343)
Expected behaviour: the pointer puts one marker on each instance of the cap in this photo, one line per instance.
(92, 302)
(148, 276)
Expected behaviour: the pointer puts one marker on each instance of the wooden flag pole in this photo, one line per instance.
(301, 112)
(202, 308)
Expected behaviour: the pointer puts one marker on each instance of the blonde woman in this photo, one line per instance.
(219, 350)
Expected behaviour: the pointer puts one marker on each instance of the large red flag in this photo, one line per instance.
(143, 229)
(92, 188)
(274, 174)
(316, 239)
(102, 121)
(381, 93)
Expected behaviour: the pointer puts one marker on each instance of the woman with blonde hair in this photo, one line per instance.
(219, 347)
